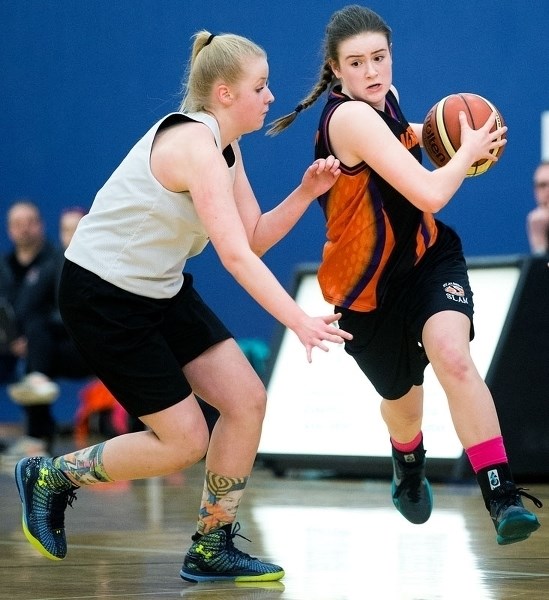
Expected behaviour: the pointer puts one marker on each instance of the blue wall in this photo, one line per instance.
(82, 80)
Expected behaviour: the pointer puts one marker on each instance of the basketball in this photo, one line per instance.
(442, 131)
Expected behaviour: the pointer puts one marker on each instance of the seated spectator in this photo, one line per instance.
(537, 221)
(68, 222)
(38, 345)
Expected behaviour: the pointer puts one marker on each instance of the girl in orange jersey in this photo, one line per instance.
(397, 274)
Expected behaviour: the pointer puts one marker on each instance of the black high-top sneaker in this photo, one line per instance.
(412, 495)
(503, 500)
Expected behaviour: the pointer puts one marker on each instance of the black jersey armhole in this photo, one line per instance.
(228, 155)
(228, 152)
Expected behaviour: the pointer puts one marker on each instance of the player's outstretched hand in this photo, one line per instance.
(315, 331)
(320, 176)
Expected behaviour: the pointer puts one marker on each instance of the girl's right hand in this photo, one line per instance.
(314, 331)
(481, 142)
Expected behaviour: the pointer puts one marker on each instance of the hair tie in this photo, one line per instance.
(209, 40)
(298, 108)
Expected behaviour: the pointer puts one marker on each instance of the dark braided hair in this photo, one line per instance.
(345, 23)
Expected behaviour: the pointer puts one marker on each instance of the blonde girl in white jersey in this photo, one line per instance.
(136, 318)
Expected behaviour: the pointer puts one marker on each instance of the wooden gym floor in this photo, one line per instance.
(337, 539)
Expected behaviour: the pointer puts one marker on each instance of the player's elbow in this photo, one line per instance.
(230, 261)
(235, 261)
(259, 244)
(436, 204)
(431, 202)
(258, 250)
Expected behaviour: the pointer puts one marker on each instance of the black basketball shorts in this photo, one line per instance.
(387, 342)
(134, 344)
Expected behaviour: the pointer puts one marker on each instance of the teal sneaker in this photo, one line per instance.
(45, 493)
(412, 494)
(512, 521)
(213, 557)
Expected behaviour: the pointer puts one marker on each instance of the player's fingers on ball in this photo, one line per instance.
(490, 120)
(463, 119)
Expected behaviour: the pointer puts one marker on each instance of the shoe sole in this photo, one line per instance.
(31, 539)
(204, 577)
(27, 398)
(277, 586)
(518, 529)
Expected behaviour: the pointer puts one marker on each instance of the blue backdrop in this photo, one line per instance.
(82, 80)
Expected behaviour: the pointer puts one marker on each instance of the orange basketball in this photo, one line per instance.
(442, 131)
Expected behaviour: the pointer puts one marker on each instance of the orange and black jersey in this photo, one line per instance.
(375, 236)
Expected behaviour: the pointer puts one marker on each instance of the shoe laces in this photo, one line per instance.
(230, 544)
(537, 502)
(59, 504)
(411, 485)
(510, 495)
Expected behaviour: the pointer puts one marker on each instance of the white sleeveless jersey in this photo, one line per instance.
(138, 235)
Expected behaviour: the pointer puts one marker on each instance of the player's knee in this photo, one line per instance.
(193, 445)
(453, 361)
(257, 402)
(251, 405)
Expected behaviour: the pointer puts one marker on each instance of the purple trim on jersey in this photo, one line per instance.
(375, 261)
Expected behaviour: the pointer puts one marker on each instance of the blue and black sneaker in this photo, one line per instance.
(412, 495)
(45, 493)
(213, 557)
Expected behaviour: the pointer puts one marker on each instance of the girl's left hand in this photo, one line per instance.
(321, 176)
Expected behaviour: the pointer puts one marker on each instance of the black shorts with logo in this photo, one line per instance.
(134, 344)
(387, 342)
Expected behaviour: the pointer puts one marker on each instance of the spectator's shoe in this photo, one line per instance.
(213, 557)
(512, 521)
(412, 495)
(45, 493)
(34, 388)
(20, 448)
